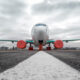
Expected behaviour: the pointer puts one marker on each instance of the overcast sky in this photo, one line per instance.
(17, 18)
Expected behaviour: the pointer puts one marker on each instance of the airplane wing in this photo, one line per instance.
(52, 41)
(27, 41)
(10, 40)
(71, 40)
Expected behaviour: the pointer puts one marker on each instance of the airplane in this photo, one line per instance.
(40, 37)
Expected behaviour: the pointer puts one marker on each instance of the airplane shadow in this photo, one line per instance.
(11, 59)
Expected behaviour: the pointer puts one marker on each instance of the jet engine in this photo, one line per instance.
(58, 44)
(21, 44)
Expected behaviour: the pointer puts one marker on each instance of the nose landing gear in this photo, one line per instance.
(40, 47)
(40, 44)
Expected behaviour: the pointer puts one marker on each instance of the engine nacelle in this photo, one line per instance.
(58, 44)
(21, 44)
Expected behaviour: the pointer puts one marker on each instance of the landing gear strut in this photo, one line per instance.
(40, 47)
(49, 48)
(30, 48)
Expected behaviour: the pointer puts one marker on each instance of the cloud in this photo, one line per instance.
(47, 8)
(17, 17)
(12, 7)
(11, 11)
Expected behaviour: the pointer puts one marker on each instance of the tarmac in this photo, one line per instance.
(40, 65)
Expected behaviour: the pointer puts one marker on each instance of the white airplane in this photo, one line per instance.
(40, 37)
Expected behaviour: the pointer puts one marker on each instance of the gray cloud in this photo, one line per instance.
(15, 23)
(72, 32)
(44, 8)
(10, 13)
(12, 7)
(75, 29)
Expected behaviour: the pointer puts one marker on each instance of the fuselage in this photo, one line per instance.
(40, 34)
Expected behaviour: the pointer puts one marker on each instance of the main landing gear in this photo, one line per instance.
(49, 48)
(31, 47)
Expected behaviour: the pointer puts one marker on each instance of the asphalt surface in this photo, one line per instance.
(41, 66)
(9, 59)
(30, 65)
(70, 57)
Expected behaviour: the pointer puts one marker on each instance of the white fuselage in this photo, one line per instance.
(40, 34)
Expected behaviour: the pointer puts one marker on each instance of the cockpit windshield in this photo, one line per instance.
(40, 24)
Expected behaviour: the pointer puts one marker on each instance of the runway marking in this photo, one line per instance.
(41, 66)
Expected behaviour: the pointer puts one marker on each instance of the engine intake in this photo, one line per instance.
(21, 44)
(58, 44)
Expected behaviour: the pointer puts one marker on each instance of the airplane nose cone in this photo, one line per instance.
(41, 30)
(41, 34)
